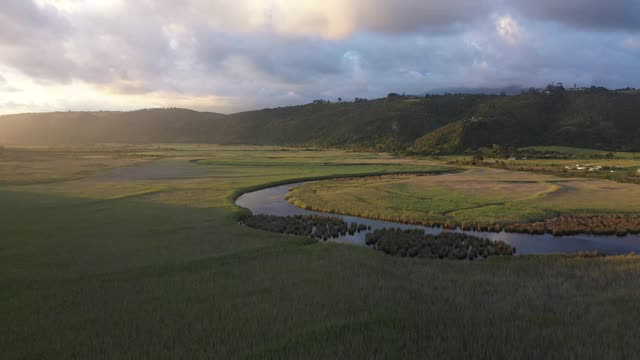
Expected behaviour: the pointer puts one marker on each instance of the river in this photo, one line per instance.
(272, 201)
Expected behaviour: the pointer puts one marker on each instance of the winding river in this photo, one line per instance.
(272, 201)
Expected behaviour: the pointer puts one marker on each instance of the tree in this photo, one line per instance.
(339, 99)
(554, 88)
(498, 150)
(477, 157)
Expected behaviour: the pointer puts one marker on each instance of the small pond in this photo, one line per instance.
(272, 201)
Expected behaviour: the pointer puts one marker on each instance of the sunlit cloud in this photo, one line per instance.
(509, 29)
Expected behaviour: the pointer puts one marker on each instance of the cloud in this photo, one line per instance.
(24, 21)
(632, 43)
(331, 19)
(509, 29)
(590, 14)
(266, 53)
(31, 39)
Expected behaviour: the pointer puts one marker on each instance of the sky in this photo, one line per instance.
(228, 56)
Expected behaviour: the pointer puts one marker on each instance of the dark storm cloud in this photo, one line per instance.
(329, 18)
(593, 14)
(414, 15)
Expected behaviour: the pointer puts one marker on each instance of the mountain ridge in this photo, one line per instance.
(420, 125)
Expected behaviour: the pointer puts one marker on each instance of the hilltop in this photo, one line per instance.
(592, 118)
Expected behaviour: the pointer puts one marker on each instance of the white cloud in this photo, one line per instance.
(509, 30)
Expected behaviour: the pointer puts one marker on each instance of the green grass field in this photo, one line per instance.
(147, 261)
(616, 166)
(478, 196)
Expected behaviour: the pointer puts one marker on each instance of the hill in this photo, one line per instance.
(508, 90)
(135, 127)
(383, 123)
(422, 125)
(589, 119)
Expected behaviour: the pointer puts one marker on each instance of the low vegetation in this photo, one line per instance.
(446, 245)
(149, 261)
(480, 199)
(620, 225)
(316, 227)
(40, 164)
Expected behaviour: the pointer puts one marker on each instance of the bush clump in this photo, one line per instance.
(620, 225)
(447, 245)
(317, 227)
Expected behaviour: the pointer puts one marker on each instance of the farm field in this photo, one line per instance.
(477, 196)
(563, 161)
(142, 257)
(582, 152)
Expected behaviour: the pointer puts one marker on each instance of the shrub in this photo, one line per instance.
(318, 227)
(415, 243)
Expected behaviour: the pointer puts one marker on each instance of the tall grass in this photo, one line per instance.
(89, 273)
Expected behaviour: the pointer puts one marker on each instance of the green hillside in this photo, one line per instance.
(586, 119)
(597, 119)
(384, 123)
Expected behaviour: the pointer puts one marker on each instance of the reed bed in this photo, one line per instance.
(316, 227)
(447, 245)
(620, 225)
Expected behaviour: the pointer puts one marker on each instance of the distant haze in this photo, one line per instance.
(228, 56)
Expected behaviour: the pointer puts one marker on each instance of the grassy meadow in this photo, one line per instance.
(563, 161)
(477, 196)
(139, 256)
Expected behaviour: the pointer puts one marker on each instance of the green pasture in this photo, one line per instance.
(147, 261)
(477, 196)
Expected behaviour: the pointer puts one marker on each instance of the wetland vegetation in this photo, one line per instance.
(148, 261)
(315, 227)
(446, 245)
(482, 199)
(620, 225)
(391, 241)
